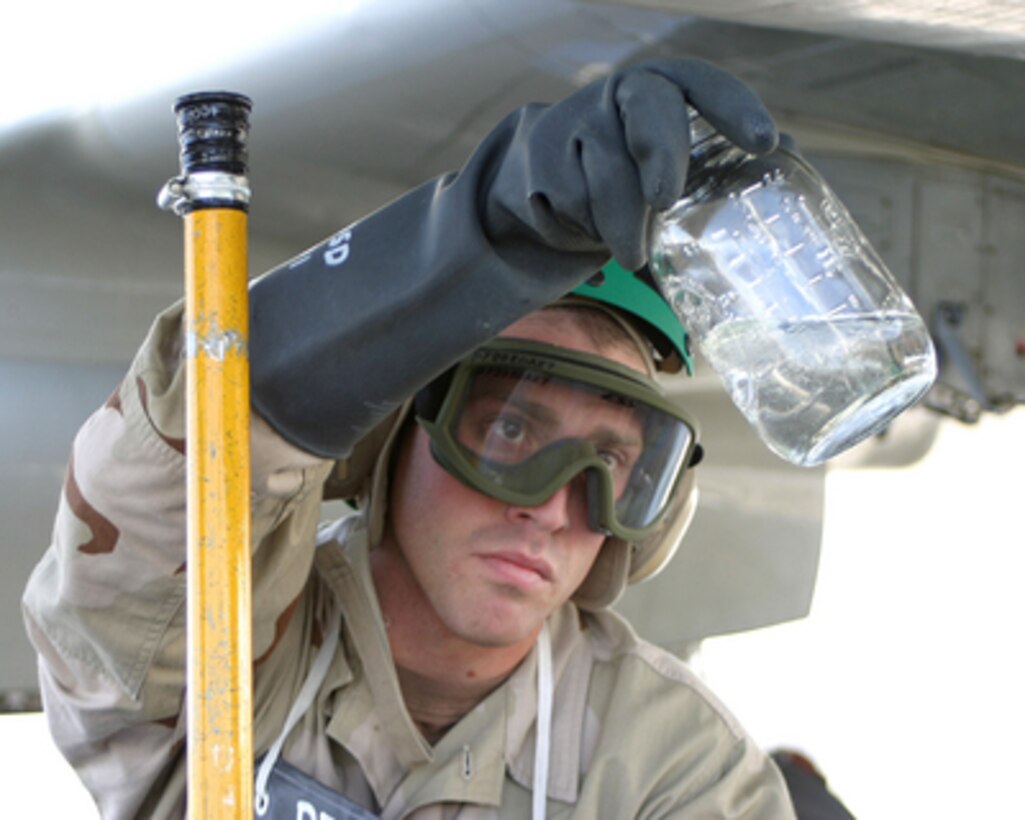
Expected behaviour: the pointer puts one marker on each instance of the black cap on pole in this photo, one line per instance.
(213, 129)
(213, 132)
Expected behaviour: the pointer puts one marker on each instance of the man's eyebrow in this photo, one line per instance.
(548, 416)
(608, 435)
(541, 412)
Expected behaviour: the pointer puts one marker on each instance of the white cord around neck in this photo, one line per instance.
(318, 671)
(543, 734)
(303, 701)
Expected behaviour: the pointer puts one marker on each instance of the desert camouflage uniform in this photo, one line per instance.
(634, 734)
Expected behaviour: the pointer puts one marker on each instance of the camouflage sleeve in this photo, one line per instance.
(105, 606)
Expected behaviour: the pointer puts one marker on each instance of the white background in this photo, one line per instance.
(906, 682)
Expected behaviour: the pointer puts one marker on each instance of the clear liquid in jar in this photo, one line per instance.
(812, 388)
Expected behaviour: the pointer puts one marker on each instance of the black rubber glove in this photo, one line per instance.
(345, 333)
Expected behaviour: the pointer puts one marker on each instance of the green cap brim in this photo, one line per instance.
(622, 289)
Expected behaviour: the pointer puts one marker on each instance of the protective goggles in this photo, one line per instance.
(521, 419)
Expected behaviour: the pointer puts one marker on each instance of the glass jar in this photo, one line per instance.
(811, 335)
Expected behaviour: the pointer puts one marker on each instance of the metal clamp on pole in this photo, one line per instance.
(212, 196)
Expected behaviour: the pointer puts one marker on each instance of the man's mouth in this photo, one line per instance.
(519, 568)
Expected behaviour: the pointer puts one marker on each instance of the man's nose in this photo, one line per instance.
(559, 511)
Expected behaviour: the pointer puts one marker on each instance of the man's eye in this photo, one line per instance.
(613, 459)
(511, 430)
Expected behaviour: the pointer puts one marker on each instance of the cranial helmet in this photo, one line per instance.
(637, 307)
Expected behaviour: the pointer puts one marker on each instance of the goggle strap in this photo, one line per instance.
(428, 400)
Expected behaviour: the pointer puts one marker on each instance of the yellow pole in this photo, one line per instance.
(219, 585)
(212, 195)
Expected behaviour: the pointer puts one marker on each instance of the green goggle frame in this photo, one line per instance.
(630, 504)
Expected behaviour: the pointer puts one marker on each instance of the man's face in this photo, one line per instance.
(490, 571)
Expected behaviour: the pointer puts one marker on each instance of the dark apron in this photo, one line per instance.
(292, 795)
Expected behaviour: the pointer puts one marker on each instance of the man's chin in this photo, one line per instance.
(502, 631)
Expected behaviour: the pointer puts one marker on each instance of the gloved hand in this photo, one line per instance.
(588, 173)
(345, 333)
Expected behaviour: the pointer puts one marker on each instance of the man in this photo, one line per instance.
(445, 651)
